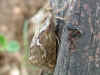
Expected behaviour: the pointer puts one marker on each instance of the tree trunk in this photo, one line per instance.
(78, 56)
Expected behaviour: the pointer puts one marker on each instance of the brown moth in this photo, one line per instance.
(43, 45)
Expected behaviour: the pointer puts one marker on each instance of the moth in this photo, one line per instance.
(43, 44)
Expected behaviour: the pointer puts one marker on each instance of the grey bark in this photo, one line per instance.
(84, 60)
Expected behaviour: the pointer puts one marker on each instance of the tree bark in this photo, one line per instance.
(83, 58)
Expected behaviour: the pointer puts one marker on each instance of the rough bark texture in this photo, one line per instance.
(79, 56)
